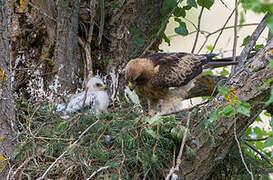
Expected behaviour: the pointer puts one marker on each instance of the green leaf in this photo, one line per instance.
(167, 6)
(181, 29)
(205, 3)
(208, 73)
(244, 108)
(227, 111)
(271, 63)
(268, 142)
(155, 119)
(269, 23)
(248, 131)
(267, 114)
(134, 31)
(259, 145)
(209, 47)
(167, 39)
(224, 72)
(242, 19)
(258, 47)
(271, 123)
(179, 12)
(152, 133)
(266, 83)
(60, 128)
(270, 100)
(245, 40)
(222, 89)
(258, 119)
(139, 42)
(187, 7)
(107, 61)
(192, 3)
(178, 132)
(259, 132)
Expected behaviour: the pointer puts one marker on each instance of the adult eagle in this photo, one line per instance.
(165, 78)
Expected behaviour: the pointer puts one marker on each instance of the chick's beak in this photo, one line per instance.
(131, 86)
(103, 86)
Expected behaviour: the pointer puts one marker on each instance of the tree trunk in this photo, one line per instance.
(7, 114)
(247, 84)
(67, 55)
(120, 34)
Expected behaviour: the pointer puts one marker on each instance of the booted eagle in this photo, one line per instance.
(165, 78)
(96, 98)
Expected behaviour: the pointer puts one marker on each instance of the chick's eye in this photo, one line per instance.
(98, 84)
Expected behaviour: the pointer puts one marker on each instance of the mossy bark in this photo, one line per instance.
(7, 114)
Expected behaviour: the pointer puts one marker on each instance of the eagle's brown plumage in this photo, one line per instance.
(155, 74)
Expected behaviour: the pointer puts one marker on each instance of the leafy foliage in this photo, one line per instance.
(259, 7)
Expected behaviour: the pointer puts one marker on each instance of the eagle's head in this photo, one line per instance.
(138, 71)
(95, 84)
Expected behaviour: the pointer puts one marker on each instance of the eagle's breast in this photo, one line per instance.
(150, 92)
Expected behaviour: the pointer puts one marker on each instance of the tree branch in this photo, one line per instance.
(235, 31)
(250, 43)
(240, 151)
(246, 85)
(198, 30)
(261, 154)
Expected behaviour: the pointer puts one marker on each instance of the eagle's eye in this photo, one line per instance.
(98, 84)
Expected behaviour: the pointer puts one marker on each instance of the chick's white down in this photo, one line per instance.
(96, 98)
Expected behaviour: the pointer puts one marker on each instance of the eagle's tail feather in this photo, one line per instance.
(216, 64)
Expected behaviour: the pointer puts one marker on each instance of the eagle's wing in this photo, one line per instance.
(176, 69)
(75, 103)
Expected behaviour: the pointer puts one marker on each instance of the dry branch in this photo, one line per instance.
(252, 40)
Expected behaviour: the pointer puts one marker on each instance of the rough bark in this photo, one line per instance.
(119, 43)
(247, 83)
(67, 57)
(7, 114)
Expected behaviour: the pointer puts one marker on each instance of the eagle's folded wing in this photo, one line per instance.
(176, 69)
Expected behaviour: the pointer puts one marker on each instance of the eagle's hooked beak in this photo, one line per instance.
(131, 86)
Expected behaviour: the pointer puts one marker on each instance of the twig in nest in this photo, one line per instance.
(20, 168)
(84, 98)
(240, 151)
(261, 154)
(155, 145)
(178, 160)
(97, 171)
(66, 151)
(123, 159)
(184, 110)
